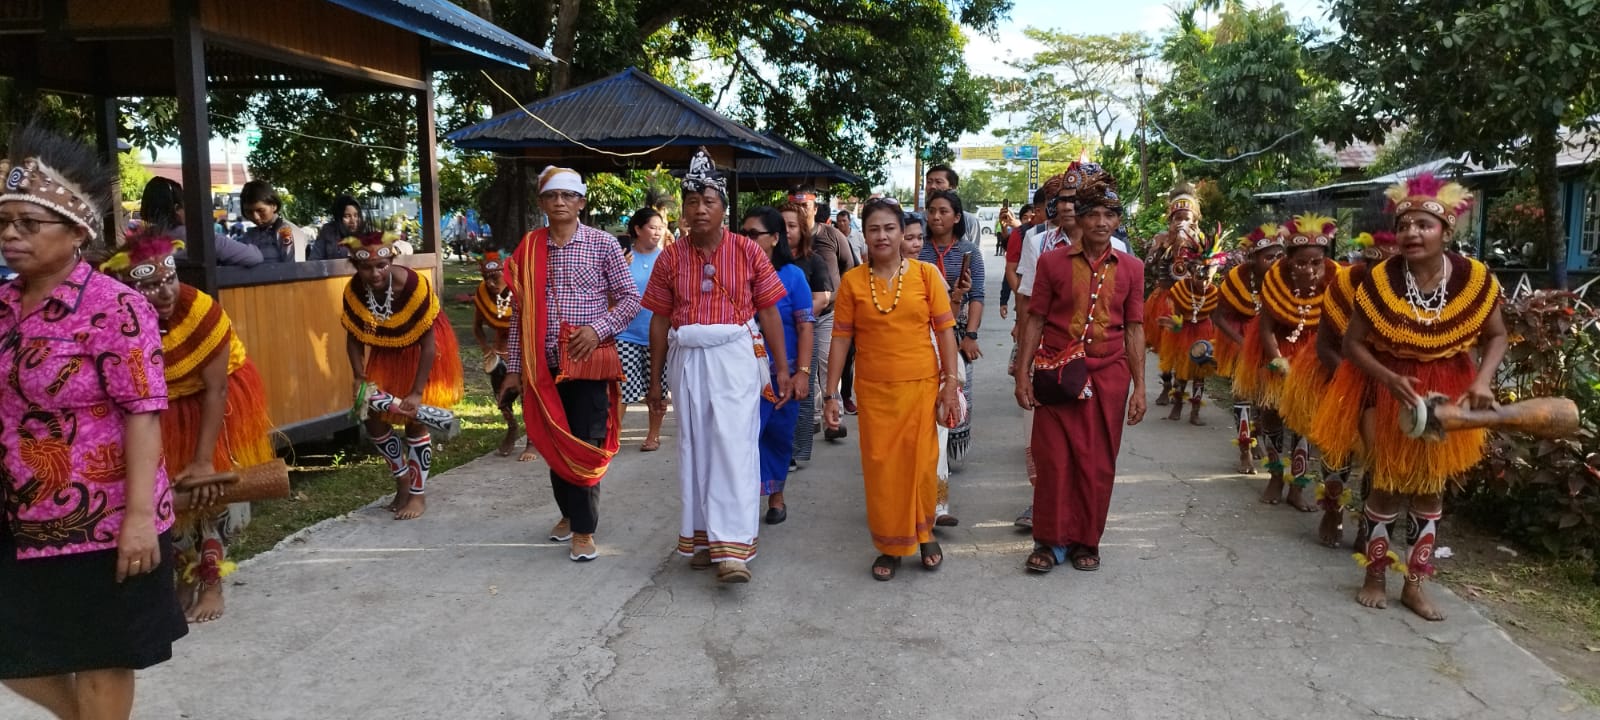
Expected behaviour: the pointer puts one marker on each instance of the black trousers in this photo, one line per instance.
(847, 379)
(588, 409)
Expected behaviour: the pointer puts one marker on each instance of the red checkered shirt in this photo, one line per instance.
(742, 269)
(588, 284)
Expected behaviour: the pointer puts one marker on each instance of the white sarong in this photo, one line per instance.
(716, 382)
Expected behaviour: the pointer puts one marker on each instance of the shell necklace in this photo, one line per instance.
(382, 312)
(1300, 310)
(899, 281)
(502, 304)
(1428, 309)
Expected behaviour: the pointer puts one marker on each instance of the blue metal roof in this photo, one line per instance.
(796, 165)
(629, 110)
(448, 23)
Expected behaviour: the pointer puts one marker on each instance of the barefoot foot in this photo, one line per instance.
(527, 455)
(1177, 412)
(209, 605)
(1194, 418)
(1331, 531)
(1273, 494)
(401, 483)
(415, 505)
(1417, 601)
(1374, 593)
(1297, 499)
(508, 444)
(186, 597)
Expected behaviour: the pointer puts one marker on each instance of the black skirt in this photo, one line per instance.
(69, 614)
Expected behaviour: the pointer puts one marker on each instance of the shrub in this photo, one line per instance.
(1545, 493)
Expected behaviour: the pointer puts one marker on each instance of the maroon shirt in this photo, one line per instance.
(1061, 294)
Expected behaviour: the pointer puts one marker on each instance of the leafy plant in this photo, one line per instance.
(1546, 493)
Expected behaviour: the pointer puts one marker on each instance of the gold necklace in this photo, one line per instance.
(899, 284)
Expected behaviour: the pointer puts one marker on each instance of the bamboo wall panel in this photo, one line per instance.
(95, 15)
(292, 332)
(319, 30)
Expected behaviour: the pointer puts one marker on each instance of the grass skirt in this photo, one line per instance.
(1253, 382)
(393, 370)
(1157, 305)
(1419, 467)
(1336, 423)
(1304, 388)
(246, 437)
(1227, 355)
(1175, 351)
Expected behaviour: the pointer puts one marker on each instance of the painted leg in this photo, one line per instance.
(1162, 398)
(1177, 403)
(419, 458)
(1245, 439)
(214, 566)
(1196, 396)
(1299, 471)
(1419, 565)
(1269, 437)
(1377, 558)
(1333, 499)
(393, 452)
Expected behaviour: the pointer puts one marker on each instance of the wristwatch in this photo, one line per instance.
(804, 369)
(970, 335)
(826, 398)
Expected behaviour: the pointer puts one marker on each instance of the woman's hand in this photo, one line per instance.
(832, 414)
(950, 400)
(1479, 397)
(1404, 388)
(137, 550)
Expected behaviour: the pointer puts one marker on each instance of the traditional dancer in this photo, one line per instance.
(1241, 302)
(1183, 214)
(1335, 424)
(1286, 327)
(400, 343)
(216, 418)
(1192, 299)
(710, 293)
(1418, 319)
(491, 326)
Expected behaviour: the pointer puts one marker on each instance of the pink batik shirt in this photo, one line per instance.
(71, 370)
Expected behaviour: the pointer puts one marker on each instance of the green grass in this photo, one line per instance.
(341, 474)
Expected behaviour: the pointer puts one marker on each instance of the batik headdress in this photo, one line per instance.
(1183, 198)
(703, 174)
(372, 246)
(1265, 236)
(1430, 194)
(491, 262)
(1310, 230)
(1074, 176)
(1377, 245)
(143, 254)
(1098, 189)
(57, 173)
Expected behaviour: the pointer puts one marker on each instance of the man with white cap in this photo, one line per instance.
(573, 294)
(715, 296)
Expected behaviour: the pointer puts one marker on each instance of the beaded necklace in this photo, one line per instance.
(385, 311)
(1428, 309)
(502, 304)
(899, 280)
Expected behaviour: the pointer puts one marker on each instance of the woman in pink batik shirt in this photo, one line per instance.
(86, 579)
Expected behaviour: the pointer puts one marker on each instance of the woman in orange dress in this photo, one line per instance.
(887, 307)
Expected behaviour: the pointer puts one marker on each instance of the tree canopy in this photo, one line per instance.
(1082, 84)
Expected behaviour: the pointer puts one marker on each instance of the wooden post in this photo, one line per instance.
(105, 125)
(194, 138)
(427, 164)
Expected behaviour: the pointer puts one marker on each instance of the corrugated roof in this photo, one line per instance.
(797, 165)
(629, 110)
(1357, 155)
(452, 25)
(1575, 152)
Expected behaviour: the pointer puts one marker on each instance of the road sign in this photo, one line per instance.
(1033, 177)
(1021, 152)
(998, 152)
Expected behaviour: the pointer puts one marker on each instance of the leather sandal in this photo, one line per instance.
(1040, 561)
(931, 550)
(885, 562)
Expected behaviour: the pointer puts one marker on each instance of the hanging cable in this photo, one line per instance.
(1165, 138)
(523, 107)
(290, 131)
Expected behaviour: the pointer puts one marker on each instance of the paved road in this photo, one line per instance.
(1210, 605)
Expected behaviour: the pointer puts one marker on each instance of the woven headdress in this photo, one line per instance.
(57, 173)
(703, 174)
(491, 262)
(1265, 236)
(372, 245)
(1310, 230)
(1428, 193)
(1098, 189)
(1183, 198)
(142, 255)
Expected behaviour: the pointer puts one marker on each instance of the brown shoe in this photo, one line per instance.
(701, 560)
(732, 571)
(562, 532)
(583, 549)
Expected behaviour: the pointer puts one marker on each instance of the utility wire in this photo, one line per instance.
(523, 107)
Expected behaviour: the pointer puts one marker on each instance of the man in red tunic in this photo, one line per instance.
(1088, 302)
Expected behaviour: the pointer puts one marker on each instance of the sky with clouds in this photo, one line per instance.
(988, 55)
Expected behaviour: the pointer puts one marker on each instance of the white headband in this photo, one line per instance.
(562, 179)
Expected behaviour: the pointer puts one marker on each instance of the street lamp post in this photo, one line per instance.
(1144, 164)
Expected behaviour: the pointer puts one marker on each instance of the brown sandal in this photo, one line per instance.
(889, 563)
(1085, 559)
(650, 446)
(1040, 561)
(931, 552)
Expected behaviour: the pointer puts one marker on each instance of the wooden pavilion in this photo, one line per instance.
(287, 314)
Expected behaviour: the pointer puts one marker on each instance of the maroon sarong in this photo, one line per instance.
(1075, 449)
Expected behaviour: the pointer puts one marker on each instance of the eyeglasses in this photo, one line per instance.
(29, 225)
(566, 195)
(753, 233)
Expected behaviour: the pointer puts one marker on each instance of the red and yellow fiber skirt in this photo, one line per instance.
(1253, 381)
(394, 370)
(1305, 389)
(1411, 466)
(1157, 305)
(246, 437)
(1175, 346)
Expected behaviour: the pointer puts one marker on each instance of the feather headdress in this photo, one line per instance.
(1443, 199)
(1264, 236)
(1311, 230)
(141, 253)
(1183, 197)
(368, 246)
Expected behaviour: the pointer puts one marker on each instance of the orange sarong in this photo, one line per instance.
(899, 461)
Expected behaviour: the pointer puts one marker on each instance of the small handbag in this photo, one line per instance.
(1062, 376)
(603, 363)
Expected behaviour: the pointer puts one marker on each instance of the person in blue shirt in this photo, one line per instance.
(646, 229)
(765, 226)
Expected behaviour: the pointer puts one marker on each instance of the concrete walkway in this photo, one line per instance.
(1210, 605)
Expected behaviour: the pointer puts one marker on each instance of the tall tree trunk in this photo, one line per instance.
(506, 204)
(566, 38)
(1546, 144)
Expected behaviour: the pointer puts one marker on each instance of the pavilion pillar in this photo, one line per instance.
(428, 165)
(105, 125)
(194, 141)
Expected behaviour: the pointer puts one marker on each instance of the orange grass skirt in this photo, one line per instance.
(1175, 351)
(1227, 355)
(1305, 388)
(1419, 467)
(1252, 381)
(1157, 305)
(394, 370)
(1336, 423)
(246, 437)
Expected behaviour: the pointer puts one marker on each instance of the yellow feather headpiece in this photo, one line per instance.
(1311, 230)
(1428, 193)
